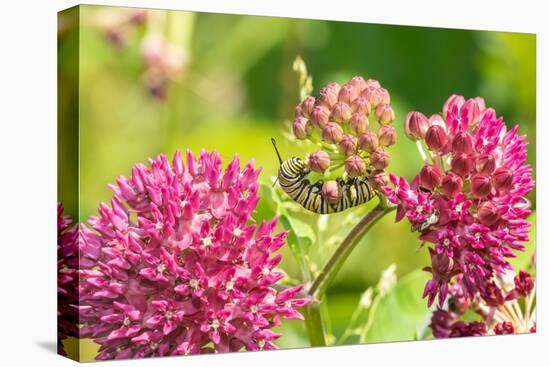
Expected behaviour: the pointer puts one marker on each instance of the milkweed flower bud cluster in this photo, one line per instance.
(120, 25)
(67, 278)
(502, 313)
(351, 124)
(468, 201)
(163, 61)
(173, 266)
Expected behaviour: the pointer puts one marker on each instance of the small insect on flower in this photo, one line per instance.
(292, 179)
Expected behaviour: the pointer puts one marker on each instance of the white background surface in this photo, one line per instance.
(28, 181)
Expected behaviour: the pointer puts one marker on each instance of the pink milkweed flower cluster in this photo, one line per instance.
(501, 314)
(163, 61)
(67, 278)
(119, 26)
(340, 121)
(174, 266)
(468, 201)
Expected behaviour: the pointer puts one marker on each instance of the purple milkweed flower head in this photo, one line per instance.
(507, 310)
(67, 278)
(469, 202)
(341, 121)
(163, 62)
(173, 265)
(444, 324)
(118, 26)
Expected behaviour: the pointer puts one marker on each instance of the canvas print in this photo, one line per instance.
(232, 183)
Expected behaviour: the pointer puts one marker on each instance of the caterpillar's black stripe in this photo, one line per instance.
(293, 181)
(292, 173)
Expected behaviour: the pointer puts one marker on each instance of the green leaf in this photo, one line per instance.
(269, 204)
(402, 313)
(362, 317)
(300, 234)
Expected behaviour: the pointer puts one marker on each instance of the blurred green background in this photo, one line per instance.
(237, 88)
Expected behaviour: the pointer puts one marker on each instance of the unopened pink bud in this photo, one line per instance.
(462, 143)
(359, 123)
(319, 161)
(341, 112)
(328, 96)
(348, 145)
(157, 86)
(380, 159)
(451, 102)
(331, 191)
(378, 179)
(462, 164)
(486, 164)
(436, 119)
(504, 328)
(301, 128)
(372, 83)
(332, 133)
(524, 283)
(308, 105)
(368, 141)
(387, 135)
(436, 138)
(385, 114)
(384, 96)
(138, 17)
(355, 166)
(348, 93)
(373, 96)
(430, 177)
(359, 82)
(298, 111)
(441, 263)
(117, 38)
(503, 179)
(320, 116)
(451, 185)
(361, 105)
(487, 213)
(416, 125)
(481, 186)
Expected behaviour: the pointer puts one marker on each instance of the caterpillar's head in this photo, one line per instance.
(294, 165)
(298, 162)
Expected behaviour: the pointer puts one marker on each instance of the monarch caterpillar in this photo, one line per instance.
(293, 181)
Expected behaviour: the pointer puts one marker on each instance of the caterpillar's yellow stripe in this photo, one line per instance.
(293, 181)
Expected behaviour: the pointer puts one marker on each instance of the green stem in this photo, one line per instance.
(314, 324)
(370, 319)
(352, 324)
(342, 252)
